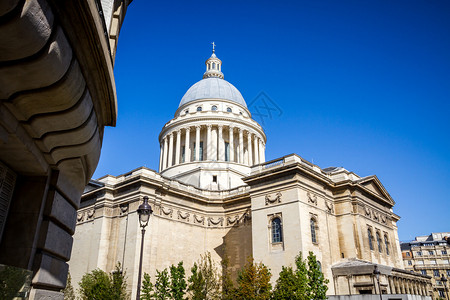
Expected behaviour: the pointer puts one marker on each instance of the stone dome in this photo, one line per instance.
(213, 88)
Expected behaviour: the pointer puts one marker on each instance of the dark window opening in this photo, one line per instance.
(215, 178)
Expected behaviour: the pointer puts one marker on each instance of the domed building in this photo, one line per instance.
(214, 192)
(212, 141)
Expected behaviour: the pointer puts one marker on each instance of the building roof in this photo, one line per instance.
(213, 88)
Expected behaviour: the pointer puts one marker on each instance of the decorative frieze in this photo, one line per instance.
(312, 198)
(199, 220)
(330, 207)
(215, 222)
(183, 216)
(271, 199)
(166, 211)
(375, 215)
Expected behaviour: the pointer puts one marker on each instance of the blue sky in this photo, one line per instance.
(363, 85)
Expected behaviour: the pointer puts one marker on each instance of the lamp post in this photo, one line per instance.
(144, 211)
(377, 273)
(444, 282)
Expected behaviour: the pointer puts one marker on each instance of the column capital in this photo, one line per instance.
(240, 130)
(198, 127)
(178, 131)
(220, 126)
(209, 126)
(187, 129)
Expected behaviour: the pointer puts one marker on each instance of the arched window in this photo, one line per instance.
(229, 109)
(277, 236)
(313, 230)
(320, 266)
(379, 242)
(369, 235)
(214, 108)
(213, 65)
(199, 108)
(386, 243)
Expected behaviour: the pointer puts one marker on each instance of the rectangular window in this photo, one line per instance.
(444, 252)
(227, 151)
(424, 272)
(431, 252)
(419, 253)
(201, 150)
(448, 272)
(409, 263)
(436, 273)
(215, 178)
(441, 293)
(408, 254)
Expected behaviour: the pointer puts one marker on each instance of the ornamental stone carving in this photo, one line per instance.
(368, 212)
(383, 219)
(232, 221)
(90, 214)
(80, 216)
(330, 207)
(218, 222)
(183, 216)
(123, 208)
(167, 211)
(273, 199)
(312, 198)
(199, 219)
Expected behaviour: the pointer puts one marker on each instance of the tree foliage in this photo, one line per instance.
(12, 281)
(293, 284)
(254, 281)
(147, 288)
(99, 285)
(316, 281)
(162, 285)
(177, 281)
(204, 283)
(69, 293)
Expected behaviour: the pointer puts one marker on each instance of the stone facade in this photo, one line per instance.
(57, 93)
(430, 256)
(216, 193)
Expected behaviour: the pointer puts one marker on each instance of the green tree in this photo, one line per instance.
(254, 281)
(147, 288)
(292, 284)
(316, 281)
(69, 293)
(177, 281)
(204, 283)
(162, 285)
(99, 285)
(12, 281)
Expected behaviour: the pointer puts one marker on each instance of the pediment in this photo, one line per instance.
(373, 184)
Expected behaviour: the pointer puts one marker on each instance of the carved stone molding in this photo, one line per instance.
(247, 217)
(199, 219)
(123, 208)
(166, 211)
(233, 221)
(273, 199)
(90, 214)
(383, 219)
(330, 207)
(312, 198)
(218, 222)
(368, 212)
(80, 216)
(183, 216)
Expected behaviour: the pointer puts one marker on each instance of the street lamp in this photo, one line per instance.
(144, 211)
(377, 273)
(444, 282)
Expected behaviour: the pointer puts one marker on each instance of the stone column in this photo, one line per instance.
(209, 143)
(249, 149)
(261, 152)
(255, 145)
(164, 165)
(187, 149)
(178, 147)
(231, 144)
(161, 149)
(241, 146)
(197, 143)
(170, 158)
(221, 145)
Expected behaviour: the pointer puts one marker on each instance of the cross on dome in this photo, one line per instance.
(214, 45)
